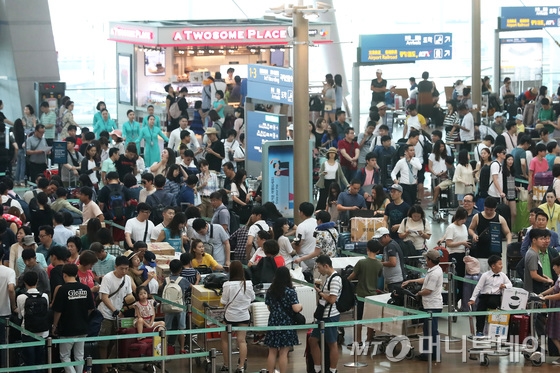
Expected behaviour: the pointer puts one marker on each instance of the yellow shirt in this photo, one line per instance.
(553, 215)
(209, 262)
(520, 128)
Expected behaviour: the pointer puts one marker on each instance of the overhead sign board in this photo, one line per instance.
(529, 17)
(271, 83)
(391, 48)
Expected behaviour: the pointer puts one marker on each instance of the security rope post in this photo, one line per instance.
(163, 335)
(6, 341)
(213, 360)
(89, 364)
(450, 302)
(430, 349)
(230, 347)
(49, 354)
(322, 347)
(190, 326)
(355, 345)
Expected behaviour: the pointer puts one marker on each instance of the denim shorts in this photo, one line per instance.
(331, 333)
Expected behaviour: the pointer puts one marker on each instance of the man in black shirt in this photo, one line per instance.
(229, 171)
(215, 151)
(58, 256)
(72, 306)
(126, 163)
(378, 88)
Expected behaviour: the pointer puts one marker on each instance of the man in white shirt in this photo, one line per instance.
(7, 302)
(256, 223)
(230, 146)
(168, 215)
(61, 233)
(431, 299)
(496, 188)
(114, 288)
(466, 128)
(7, 200)
(175, 135)
(215, 235)
(305, 243)
(139, 228)
(148, 186)
(408, 166)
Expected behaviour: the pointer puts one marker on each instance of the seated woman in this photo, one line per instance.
(201, 258)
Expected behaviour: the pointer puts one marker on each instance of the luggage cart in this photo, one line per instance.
(447, 202)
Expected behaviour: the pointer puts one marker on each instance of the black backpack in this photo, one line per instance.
(264, 271)
(36, 313)
(157, 211)
(484, 181)
(347, 299)
(215, 281)
(116, 203)
(315, 103)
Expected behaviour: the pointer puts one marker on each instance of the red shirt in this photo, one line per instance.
(350, 148)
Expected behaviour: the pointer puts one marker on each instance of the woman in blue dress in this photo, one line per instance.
(150, 133)
(219, 105)
(97, 117)
(197, 126)
(173, 233)
(282, 302)
(105, 123)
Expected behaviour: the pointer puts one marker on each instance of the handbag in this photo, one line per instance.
(319, 312)
(328, 107)
(297, 317)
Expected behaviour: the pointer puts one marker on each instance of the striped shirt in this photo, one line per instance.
(102, 267)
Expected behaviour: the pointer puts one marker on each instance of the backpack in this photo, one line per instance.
(157, 211)
(484, 181)
(36, 313)
(173, 293)
(174, 110)
(6, 205)
(315, 103)
(116, 205)
(264, 271)
(347, 299)
(220, 129)
(215, 281)
(234, 222)
(426, 148)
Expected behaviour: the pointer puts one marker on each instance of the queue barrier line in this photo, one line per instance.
(21, 330)
(25, 368)
(185, 309)
(466, 280)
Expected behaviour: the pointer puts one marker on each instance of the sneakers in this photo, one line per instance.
(556, 362)
(240, 370)
(224, 369)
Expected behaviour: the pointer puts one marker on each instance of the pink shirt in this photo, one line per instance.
(538, 166)
(86, 278)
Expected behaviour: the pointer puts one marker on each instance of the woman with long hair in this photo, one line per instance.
(282, 302)
(456, 239)
(92, 228)
(329, 172)
(280, 228)
(240, 196)
(338, 91)
(173, 233)
(20, 138)
(329, 98)
(167, 159)
(91, 166)
(509, 189)
(415, 228)
(438, 169)
(463, 177)
(43, 215)
(332, 199)
(239, 124)
(379, 200)
(237, 296)
(485, 160)
(173, 179)
(331, 137)
(320, 125)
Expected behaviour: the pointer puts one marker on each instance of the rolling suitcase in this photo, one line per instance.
(309, 359)
(468, 291)
(519, 325)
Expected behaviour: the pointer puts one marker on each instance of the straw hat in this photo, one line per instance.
(332, 150)
(211, 130)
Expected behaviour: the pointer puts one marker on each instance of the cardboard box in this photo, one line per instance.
(161, 248)
(498, 330)
(498, 319)
(514, 299)
(201, 295)
(164, 259)
(363, 229)
(162, 270)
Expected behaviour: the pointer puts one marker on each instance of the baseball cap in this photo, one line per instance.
(380, 105)
(432, 254)
(150, 257)
(379, 71)
(498, 114)
(381, 232)
(396, 187)
(519, 117)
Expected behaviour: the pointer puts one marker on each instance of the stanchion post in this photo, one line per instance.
(450, 302)
(213, 360)
(230, 347)
(355, 363)
(189, 324)
(322, 346)
(49, 354)
(89, 364)
(430, 325)
(163, 335)
(6, 341)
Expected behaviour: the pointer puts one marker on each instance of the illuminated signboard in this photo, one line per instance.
(391, 48)
(269, 83)
(132, 33)
(536, 17)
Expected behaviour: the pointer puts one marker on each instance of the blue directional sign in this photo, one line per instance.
(391, 48)
(271, 83)
(263, 127)
(529, 17)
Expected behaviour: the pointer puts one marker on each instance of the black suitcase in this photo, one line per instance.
(309, 359)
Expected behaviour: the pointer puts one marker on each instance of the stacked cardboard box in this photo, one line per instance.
(200, 295)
